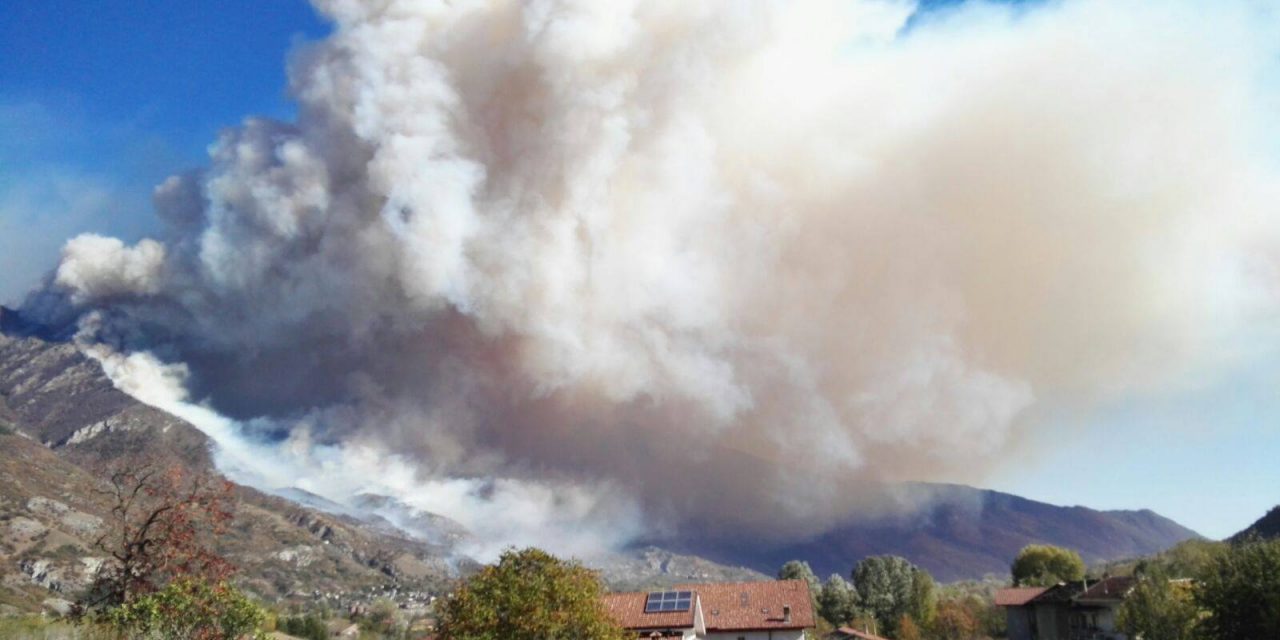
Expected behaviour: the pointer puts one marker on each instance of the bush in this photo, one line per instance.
(306, 627)
(189, 609)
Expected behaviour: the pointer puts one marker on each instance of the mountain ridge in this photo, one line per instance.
(62, 420)
(1267, 527)
(61, 417)
(966, 533)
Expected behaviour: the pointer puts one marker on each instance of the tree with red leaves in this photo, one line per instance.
(161, 524)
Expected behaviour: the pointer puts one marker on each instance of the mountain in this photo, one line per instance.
(964, 533)
(1267, 527)
(648, 567)
(62, 421)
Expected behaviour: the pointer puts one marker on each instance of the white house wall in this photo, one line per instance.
(789, 634)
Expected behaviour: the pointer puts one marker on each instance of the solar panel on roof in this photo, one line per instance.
(667, 601)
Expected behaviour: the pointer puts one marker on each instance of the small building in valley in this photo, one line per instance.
(766, 610)
(849, 633)
(1081, 610)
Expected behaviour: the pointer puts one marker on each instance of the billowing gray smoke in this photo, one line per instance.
(726, 261)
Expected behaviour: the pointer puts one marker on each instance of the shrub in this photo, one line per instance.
(189, 609)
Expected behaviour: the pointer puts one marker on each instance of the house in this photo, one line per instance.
(768, 610)
(849, 633)
(1081, 610)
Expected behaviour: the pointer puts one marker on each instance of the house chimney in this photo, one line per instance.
(786, 613)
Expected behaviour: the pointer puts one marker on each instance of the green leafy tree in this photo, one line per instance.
(1185, 560)
(800, 570)
(1240, 592)
(837, 601)
(528, 595)
(1041, 565)
(890, 587)
(188, 609)
(924, 597)
(1159, 608)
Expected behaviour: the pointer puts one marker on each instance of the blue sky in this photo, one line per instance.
(101, 101)
(1206, 458)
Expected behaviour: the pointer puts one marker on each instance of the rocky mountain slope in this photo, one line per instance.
(966, 533)
(62, 422)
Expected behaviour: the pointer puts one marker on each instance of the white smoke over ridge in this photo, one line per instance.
(724, 260)
(559, 517)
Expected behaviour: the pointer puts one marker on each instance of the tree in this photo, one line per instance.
(954, 621)
(1240, 592)
(907, 629)
(1185, 560)
(528, 595)
(161, 523)
(799, 570)
(1159, 608)
(1042, 565)
(924, 599)
(890, 587)
(837, 601)
(188, 609)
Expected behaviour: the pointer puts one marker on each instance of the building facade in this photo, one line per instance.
(1083, 610)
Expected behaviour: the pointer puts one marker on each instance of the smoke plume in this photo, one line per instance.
(684, 266)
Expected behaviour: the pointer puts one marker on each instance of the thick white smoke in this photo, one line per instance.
(563, 518)
(727, 260)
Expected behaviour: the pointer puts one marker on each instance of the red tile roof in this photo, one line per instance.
(628, 610)
(739, 606)
(1018, 596)
(850, 632)
(736, 606)
(1114, 588)
(1106, 589)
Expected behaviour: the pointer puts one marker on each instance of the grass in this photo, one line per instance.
(34, 627)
